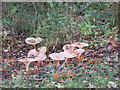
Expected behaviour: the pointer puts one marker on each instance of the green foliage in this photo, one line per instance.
(58, 22)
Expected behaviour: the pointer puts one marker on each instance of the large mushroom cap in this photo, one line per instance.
(79, 51)
(27, 60)
(41, 57)
(67, 54)
(32, 53)
(80, 44)
(42, 50)
(56, 56)
(33, 41)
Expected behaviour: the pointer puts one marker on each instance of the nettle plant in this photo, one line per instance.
(69, 51)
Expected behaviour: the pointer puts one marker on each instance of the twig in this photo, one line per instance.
(62, 65)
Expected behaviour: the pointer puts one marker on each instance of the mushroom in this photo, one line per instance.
(67, 54)
(32, 53)
(61, 56)
(80, 44)
(41, 56)
(68, 47)
(57, 57)
(33, 41)
(27, 62)
(78, 52)
(42, 50)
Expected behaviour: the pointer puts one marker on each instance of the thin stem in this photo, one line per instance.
(27, 67)
(62, 65)
(35, 47)
(57, 63)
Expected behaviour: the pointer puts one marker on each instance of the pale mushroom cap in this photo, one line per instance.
(67, 54)
(25, 60)
(80, 44)
(68, 47)
(42, 50)
(56, 56)
(41, 57)
(32, 53)
(33, 41)
(79, 51)
(38, 39)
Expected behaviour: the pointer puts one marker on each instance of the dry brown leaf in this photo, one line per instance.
(12, 60)
(56, 76)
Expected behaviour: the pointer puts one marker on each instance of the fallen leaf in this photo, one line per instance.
(70, 79)
(73, 75)
(6, 71)
(113, 42)
(33, 72)
(81, 58)
(64, 74)
(107, 77)
(16, 50)
(2, 59)
(12, 60)
(86, 73)
(97, 60)
(56, 76)
(97, 77)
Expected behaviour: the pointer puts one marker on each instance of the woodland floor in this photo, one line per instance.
(96, 68)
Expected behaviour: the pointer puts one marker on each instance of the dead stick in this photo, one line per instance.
(62, 65)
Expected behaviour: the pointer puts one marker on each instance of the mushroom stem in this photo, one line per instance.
(40, 63)
(57, 64)
(27, 66)
(35, 47)
(62, 65)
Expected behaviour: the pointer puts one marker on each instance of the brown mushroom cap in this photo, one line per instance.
(32, 53)
(33, 41)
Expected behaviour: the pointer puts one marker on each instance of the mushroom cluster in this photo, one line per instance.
(70, 51)
(34, 54)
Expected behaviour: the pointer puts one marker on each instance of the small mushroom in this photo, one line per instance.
(27, 62)
(80, 44)
(41, 58)
(78, 52)
(32, 53)
(68, 47)
(57, 57)
(42, 50)
(33, 41)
